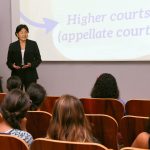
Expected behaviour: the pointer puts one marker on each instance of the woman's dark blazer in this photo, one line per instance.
(31, 55)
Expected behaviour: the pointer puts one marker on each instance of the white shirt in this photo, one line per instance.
(22, 53)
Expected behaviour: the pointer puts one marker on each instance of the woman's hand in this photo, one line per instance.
(27, 66)
(16, 67)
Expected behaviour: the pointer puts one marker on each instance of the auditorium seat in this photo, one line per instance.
(105, 129)
(138, 107)
(2, 95)
(9, 142)
(49, 103)
(38, 123)
(48, 144)
(108, 106)
(131, 126)
(132, 148)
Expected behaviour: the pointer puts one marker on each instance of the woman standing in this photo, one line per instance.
(23, 57)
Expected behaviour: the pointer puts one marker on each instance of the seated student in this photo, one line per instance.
(37, 94)
(13, 82)
(68, 122)
(12, 115)
(106, 87)
(143, 139)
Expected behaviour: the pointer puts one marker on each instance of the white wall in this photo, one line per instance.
(77, 78)
(5, 36)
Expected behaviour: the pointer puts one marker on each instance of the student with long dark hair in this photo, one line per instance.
(12, 115)
(106, 87)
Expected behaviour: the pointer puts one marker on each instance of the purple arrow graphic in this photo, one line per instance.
(48, 24)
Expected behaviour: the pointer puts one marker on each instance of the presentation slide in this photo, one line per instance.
(87, 30)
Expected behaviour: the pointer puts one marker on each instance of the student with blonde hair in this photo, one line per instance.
(68, 122)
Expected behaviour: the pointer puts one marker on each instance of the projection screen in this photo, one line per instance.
(86, 30)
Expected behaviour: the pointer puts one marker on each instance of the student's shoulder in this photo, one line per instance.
(23, 135)
(143, 136)
(141, 140)
(20, 132)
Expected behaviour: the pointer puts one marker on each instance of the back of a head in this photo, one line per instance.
(68, 108)
(37, 94)
(13, 82)
(68, 120)
(105, 87)
(14, 107)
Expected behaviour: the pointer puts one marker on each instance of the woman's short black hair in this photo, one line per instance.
(20, 27)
